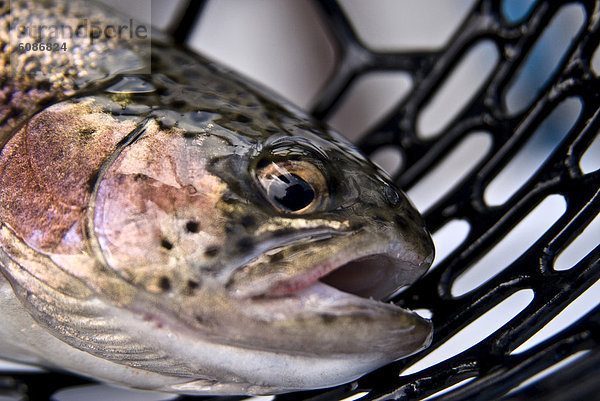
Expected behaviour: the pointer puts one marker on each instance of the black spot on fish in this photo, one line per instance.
(242, 94)
(248, 221)
(211, 97)
(178, 104)
(164, 283)
(173, 77)
(245, 244)
(380, 219)
(401, 222)
(192, 285)
(162, 91)
(46, 101)
(213, 270)
(282, 232)
(241, 118)
(190, 135)
(276, 257)
(212, 251)
(42, 85)
(328, 318)
(166, 244)
(191, 73)
(192, 226)
(356, 226)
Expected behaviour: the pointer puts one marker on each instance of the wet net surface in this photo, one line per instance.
(529, 288)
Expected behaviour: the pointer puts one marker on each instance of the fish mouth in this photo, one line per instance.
(339, 305)
(376, 274)
(323, 302)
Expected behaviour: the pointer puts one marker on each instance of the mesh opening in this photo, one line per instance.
(530, 289)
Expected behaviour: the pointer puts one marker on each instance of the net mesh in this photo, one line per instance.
(529, 289)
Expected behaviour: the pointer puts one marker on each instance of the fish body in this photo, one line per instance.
(180, 230)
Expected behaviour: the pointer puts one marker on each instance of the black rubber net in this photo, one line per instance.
(522, 349)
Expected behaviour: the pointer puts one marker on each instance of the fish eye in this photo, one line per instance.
(292, 186)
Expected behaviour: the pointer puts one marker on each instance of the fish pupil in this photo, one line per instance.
(291, 192)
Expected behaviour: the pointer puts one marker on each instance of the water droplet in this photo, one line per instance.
(131, 85)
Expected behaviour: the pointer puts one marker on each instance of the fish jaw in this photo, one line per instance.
(308, 330)
(314, 338)
(339, 296)
(399, 333)
(324, 321)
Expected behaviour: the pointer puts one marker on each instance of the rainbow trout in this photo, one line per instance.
(167, 225)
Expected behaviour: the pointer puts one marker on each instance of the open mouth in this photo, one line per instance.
(339, 299)
(368, 277)
(376, 276)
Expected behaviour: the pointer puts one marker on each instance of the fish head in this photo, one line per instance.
(189, 229)
(230, 253)
(286, 245)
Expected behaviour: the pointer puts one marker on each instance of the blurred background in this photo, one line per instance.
(286, 46)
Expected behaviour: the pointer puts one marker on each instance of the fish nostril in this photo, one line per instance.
(391, 196)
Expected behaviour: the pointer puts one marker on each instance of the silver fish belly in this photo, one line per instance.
(182, 231)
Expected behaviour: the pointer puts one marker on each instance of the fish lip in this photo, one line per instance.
(399, 259)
